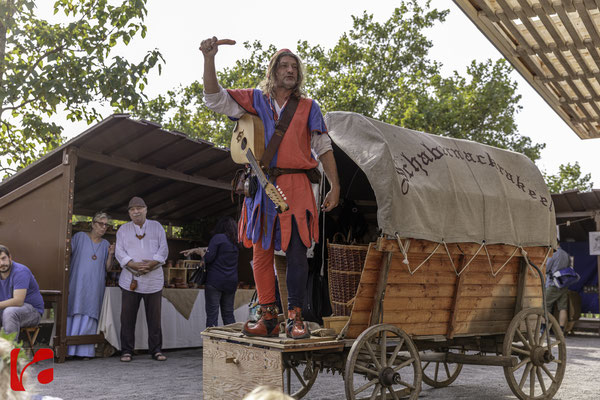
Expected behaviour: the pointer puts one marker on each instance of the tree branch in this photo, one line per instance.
(40, 58)
(23, 104)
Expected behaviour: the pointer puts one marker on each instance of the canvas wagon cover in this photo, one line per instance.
(442, 189)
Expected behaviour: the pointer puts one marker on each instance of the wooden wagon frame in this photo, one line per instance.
(449, 305)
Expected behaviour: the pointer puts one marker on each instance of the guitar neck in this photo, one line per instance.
(257, 169)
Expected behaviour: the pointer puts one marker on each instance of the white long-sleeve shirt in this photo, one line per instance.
(153, 246)
(222, 103)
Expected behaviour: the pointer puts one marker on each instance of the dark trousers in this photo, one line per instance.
(130, 304)
(297, 269)
(215, 298)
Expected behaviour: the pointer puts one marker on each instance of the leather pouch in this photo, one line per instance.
(314, 175)
(133, 285)
(244, 183)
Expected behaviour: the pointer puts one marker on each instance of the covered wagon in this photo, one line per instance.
(455, 276)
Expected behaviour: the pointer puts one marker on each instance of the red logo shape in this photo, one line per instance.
(44, 377)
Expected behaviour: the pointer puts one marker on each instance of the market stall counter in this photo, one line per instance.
(177, 330)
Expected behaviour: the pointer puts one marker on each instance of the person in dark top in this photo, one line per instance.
(221, 258)
(21, 303)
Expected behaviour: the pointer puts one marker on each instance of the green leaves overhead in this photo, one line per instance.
(48, 68)
(569, 177)
(378, 69)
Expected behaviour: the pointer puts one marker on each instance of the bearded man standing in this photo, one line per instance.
(261, 227)
(141, 249)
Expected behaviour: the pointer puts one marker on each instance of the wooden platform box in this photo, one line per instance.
(232, 370)
(234, 364)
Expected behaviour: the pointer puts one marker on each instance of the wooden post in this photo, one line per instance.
(457, 293)
(377, 312)
(597, 220)
(69, 164)
(523, 269)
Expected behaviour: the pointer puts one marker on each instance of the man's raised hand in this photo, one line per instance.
(209, 47)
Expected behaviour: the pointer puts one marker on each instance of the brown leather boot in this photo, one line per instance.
(266, 326)
(295, 327)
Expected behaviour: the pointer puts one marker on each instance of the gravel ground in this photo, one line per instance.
(180, 377)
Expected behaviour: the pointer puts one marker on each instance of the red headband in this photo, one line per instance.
(279, 52)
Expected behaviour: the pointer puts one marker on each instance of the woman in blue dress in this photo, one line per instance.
(91, 257)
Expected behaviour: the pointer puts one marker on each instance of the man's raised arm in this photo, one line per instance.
(209, 48)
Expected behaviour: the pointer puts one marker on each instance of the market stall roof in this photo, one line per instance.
(447, 190)
(180, 178)
(575, 213)
(555, 45)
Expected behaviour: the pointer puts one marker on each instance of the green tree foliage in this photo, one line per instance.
(380, 70)
(47, 68)
(569, 177)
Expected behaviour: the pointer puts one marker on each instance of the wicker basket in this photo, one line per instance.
(346, 263)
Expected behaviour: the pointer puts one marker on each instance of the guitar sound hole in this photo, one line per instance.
(244, 143)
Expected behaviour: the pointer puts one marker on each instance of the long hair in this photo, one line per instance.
(228, 227)
(268, 84)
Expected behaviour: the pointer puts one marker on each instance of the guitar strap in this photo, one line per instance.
(280, 128)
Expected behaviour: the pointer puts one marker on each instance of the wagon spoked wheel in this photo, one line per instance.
(540, 369)
(299, 377)
(383, 363)
(440, 374)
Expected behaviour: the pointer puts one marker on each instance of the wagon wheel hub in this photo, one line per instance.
(388, 377)
(540, 356)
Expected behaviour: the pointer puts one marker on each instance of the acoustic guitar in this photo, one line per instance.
(248, 144)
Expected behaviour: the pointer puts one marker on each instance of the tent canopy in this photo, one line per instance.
(180, 178)
(447, 190)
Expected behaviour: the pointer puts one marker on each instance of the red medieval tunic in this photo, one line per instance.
(259, 216)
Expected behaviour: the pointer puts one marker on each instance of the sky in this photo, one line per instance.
(176, 28)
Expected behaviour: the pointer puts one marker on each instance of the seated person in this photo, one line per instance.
(21, 304)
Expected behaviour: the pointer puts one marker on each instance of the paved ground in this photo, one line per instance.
(180, 377)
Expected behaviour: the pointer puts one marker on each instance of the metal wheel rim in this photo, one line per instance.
(527, 380)
(450, 370)
(290, 371)
(403, 358)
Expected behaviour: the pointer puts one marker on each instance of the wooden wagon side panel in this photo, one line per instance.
(486, 303)
(435, 300)
(420, 303)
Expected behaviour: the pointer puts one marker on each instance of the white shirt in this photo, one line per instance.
(153, 246)
(222, 103)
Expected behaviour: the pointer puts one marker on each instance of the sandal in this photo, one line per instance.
(126, 357)
(159, 356)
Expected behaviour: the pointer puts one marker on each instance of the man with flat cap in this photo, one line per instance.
(141, 249)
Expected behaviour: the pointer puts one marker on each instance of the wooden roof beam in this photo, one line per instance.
(192, 208)
(151, 170)
(566, 21)
(587, 21)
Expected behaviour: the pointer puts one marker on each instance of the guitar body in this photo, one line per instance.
(247, 134)
(248, 146)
